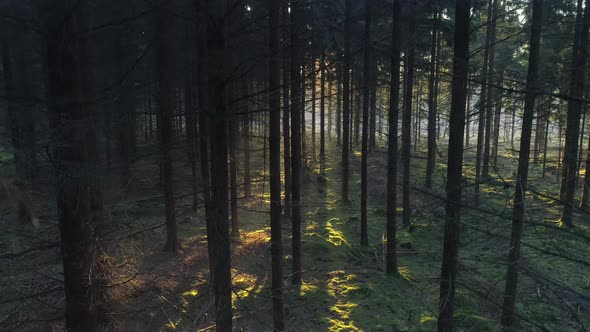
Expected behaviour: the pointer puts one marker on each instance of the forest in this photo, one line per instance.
(294, 165)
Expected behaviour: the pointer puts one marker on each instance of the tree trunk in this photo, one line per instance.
(545, 140)
(339, 103)
(190, 115)
(26, 116)
(124, 109)
(357, 113)
(166, 107)
(391, 259)
(373, 102)
(346, 100)
(468, 119)
(75, 154)
(585, 202)
(573, 117)
(497, 118)
(365, 138)
(330, 106)
(233, 175)
(275, 165)
(491, 100)
(431, 104)
(578, 26)
(322, 107)
(217, 74)
(518, 212)
(12, 110)
(246, 137)
(302, 104)
(296, 113)
(286, 125)
(481, 123)
(407, 116)
(313, 106)
(203, 86)
(455, 167)
(513, 125)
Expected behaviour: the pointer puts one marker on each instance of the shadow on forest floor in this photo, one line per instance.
(344, 286)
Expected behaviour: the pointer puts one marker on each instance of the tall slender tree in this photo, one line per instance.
(217, 112)
(491, 96)
(346, 99)
(448, 276)
(391, 259)
(365, 138)
(75, 153)
(275, 165)
(574, 111)
(203, 102)
(322, 106)
(481, 122)
(296, 112)
(286, 99)
(432, 102)
(518, 212)
(407, 111)
(166, 105)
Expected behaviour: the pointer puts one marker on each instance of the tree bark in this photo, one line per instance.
(518, 212)
(233, 175)
(497, 118)
(455, 167)
(217, 88)
(322, 106)
(296, 113)
(286, 125)
(166, 103)
(275, 165)
(203, 91)
(407, 114)
(491, 99)
(481, 123)
(75, 151)
(432, 104)
(572, 133)
(391, 256)
(339, 102)
(365, 138)
(346, 100)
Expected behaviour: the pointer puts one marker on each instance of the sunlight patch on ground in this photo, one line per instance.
(343, 322)
(335, 236)
(308, 288)
(340, 285)
(253, 237)
(405, 272)
(426, 317)
(244, 285)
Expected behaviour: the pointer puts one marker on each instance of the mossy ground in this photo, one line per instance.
(344, 285)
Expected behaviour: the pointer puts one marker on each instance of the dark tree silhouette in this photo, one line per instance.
(296, 112)
(391, 259)
(275, 165)
(346, 100)
(518, 212)
(448, 276)
(217, 111)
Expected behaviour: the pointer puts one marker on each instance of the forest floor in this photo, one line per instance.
(344, 285)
